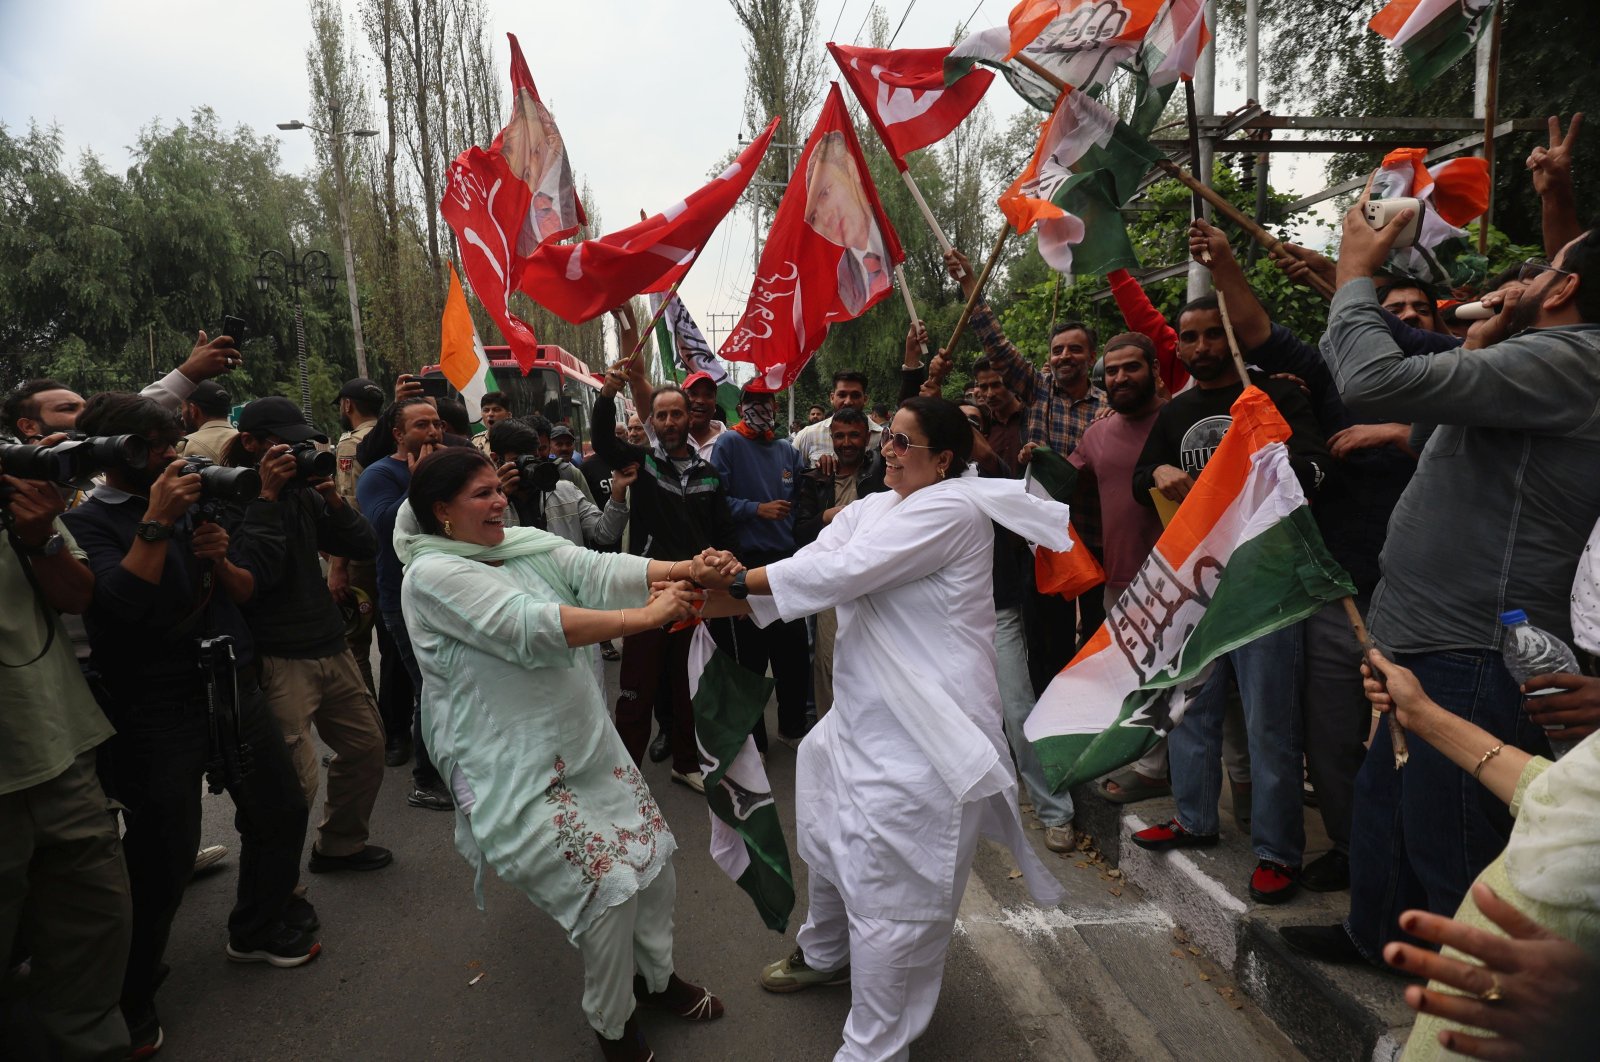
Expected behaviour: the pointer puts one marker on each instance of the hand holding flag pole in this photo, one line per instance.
(1273, 245)
(977, 287)
(650, 327)
(1397, 734)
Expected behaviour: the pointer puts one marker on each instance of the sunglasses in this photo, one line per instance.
(900, 443)
(1533, 267)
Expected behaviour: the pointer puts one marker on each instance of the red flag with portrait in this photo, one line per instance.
(829, 255)
(537, 156)
(904, 94)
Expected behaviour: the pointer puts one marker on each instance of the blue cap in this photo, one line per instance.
(1516, 615)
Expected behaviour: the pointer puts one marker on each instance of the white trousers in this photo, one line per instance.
(635, 936)
(896, 966)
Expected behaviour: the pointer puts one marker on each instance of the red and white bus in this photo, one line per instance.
(560, 386)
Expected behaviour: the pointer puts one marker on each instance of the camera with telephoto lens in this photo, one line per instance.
(77, 458)
(311, 462)
(220, 486)
(538, 473)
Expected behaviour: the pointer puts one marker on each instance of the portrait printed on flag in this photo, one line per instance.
(838, 210)
(533, 148)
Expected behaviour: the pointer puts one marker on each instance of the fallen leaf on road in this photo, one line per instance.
(1178, 953)
(1193, 950)
(1014, 875)
(1205, 977)
(1115, 892)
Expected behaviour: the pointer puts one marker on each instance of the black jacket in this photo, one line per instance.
(673, 514)
(818, 493)
(292, 613)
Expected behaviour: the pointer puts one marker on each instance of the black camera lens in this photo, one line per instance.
(538, 473)
(221, 483)
(311, 462)
(75, 459)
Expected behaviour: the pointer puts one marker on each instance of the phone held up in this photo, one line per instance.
(1379, 212)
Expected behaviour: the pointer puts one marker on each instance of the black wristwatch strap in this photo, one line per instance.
(739, 591)
(154, 530)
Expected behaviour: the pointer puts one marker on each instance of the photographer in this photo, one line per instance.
(308, 674)
(63, 884)
(167, 592)
(541, 497)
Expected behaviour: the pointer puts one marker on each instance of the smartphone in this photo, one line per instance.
(233, 328)
(434, 386)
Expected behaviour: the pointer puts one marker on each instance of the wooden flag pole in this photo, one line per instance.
(977, 289)
(1397, 734)
(911, 307)
(1051, 79)
(649, 328)
(945, 246)
(1273, 245)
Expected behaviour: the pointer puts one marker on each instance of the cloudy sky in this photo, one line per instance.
(646, 110)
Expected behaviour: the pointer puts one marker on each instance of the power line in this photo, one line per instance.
(972, 16)
(903, 18)
(836, 18)
(857, 38)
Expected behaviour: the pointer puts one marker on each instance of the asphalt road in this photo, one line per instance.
(410, 969)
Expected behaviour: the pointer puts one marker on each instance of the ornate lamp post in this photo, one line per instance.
(336, 150)
(309, 269)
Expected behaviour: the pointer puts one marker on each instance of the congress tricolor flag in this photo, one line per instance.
(1455, 191)
(1242, 558)
(1432, 34)
(461, 355)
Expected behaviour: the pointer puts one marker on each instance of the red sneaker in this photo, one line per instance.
(1171, 835)
(1273, 882)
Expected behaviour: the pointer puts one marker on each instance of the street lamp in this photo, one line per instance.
(336, 150)
(306, 270)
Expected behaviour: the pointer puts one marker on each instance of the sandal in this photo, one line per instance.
(629, 1048)
(1133, 787)
(609, 652)
(689, 1002)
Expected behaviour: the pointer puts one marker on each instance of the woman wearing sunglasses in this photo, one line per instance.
(894, 785)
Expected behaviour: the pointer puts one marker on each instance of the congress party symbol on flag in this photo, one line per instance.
(581, 281)
(1432, 34)
(1082, 42)
(746, 836)
(828, 256)
(1241, 559)
(905, 95)
(461, 355)
(536, 155)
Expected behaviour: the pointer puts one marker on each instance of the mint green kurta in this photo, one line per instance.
(545, 792)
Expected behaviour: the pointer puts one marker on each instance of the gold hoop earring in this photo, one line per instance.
(447, 533)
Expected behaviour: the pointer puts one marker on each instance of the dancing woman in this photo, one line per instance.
(545, 792)
(895, 785)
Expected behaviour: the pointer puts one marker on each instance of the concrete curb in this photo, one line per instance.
(1331, 1013)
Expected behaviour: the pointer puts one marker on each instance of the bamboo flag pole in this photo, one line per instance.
(1397, 734)
(945, 246)
(977, 288)
(1273, 245)
(911, 307)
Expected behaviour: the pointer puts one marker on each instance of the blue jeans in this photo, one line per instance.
(1268, 673)
(1017, 700)
(1420, 835)
(424, 775)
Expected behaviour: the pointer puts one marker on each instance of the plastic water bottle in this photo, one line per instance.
(1530, 651)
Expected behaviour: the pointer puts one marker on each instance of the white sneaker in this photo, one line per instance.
(693, 779)
(209, 856)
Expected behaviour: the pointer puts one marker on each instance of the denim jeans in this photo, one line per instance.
(1422, 834)
(1268, 673)
(1017, 701)
(424, 775)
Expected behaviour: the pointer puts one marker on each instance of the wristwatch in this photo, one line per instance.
(154, 531)
(738, 591)
(48, 548)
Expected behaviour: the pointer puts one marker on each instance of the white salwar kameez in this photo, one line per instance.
(895, 784)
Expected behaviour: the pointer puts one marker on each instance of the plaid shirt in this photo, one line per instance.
(1055, 418)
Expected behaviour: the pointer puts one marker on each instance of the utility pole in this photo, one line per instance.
(336, 151)
(1205, 100)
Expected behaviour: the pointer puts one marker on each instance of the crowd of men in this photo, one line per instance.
(230, 583)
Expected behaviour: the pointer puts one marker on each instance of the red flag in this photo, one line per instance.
(904, 94)
(486, 206)
(828, 256)
(537, 156)
(582, 281)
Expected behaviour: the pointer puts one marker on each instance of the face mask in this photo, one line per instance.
(759, 416)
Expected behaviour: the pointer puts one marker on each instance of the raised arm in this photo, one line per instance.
(1141, 316)
(1020, 375)
(1208, 246)
(1552, 180)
